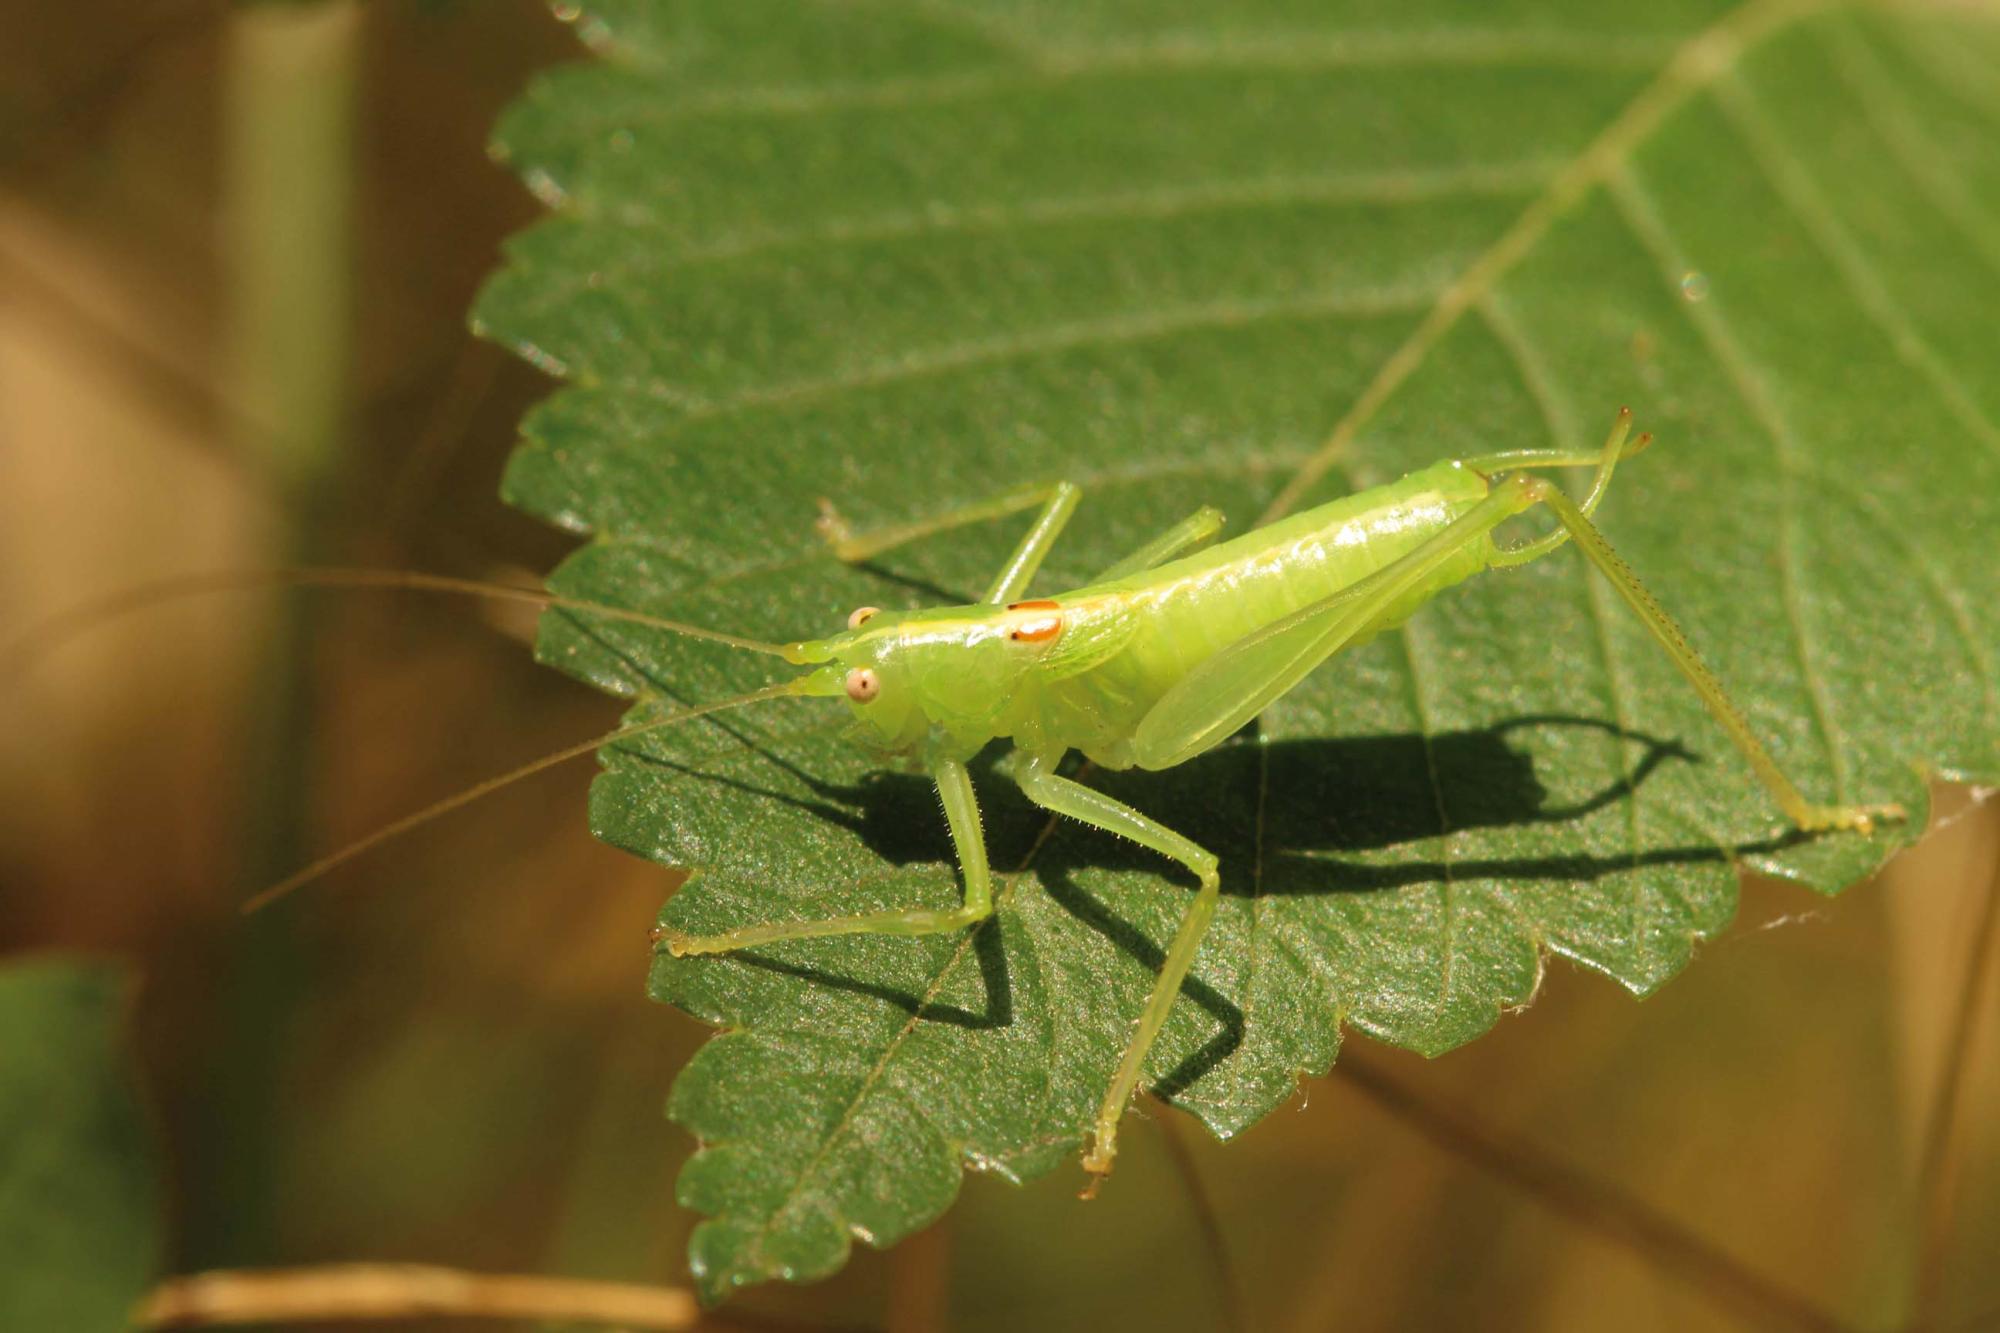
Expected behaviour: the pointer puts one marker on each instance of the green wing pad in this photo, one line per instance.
(1089, 638)
(1232, 687)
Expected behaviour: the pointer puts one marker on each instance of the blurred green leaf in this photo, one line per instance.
(79, 1200)
(901, 258)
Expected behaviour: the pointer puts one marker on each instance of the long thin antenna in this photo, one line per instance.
(450, 803)
(58, 629)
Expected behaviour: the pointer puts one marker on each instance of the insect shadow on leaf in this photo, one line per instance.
(1351, 794)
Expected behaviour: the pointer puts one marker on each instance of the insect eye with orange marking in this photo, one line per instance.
(1044, 625)
(863, 685)
(861, 615)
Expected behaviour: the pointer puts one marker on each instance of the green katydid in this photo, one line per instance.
(1165, 655)
(1169, 652)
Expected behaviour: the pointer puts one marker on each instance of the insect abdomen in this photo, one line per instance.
(1190, 609)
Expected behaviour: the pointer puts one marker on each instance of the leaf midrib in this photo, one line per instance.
(1696, 62)
(1002, 898)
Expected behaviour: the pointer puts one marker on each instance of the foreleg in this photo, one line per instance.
(961, 808)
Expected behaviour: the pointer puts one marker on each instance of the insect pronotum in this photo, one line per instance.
(1163, 656)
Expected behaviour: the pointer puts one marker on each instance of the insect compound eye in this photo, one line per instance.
(861, 615)
(863, 685)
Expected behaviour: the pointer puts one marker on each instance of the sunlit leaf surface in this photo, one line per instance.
(897, 258)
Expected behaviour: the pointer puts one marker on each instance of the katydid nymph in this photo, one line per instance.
(1166, 654)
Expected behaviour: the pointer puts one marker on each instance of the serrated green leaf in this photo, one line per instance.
(79, 1203)
(898, 259)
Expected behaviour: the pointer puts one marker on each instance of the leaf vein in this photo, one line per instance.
(1413, 651)
(1558, 415)
(1696, 62)
(1947, 66)
(1921, 159)
(1805, 202)
(1120, 330)
(1107, 478)
(1649, 228)
(890, 1049)
(1250, 966)
(1301, 52)
(1167, 203)
(1944, 593)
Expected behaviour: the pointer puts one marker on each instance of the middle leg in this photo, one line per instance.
(1182, 537)
(1064, 797)
(1057, 502)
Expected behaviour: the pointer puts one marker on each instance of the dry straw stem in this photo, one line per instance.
(1602, 1209)
(1944, 1137)
(404, 1291)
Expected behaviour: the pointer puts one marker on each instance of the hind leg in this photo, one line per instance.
(1674, 642)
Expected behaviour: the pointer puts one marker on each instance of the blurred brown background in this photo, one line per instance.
(236, 249)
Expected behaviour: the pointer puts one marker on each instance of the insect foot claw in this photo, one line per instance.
(1859, 818)
(1103, 1148)
(677, 944)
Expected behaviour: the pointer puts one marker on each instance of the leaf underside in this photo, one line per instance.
(900, 258)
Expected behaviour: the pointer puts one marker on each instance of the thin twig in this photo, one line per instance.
(1944, 1134)
(1601, 1209)
(404, 1291)
(1208, 1221)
